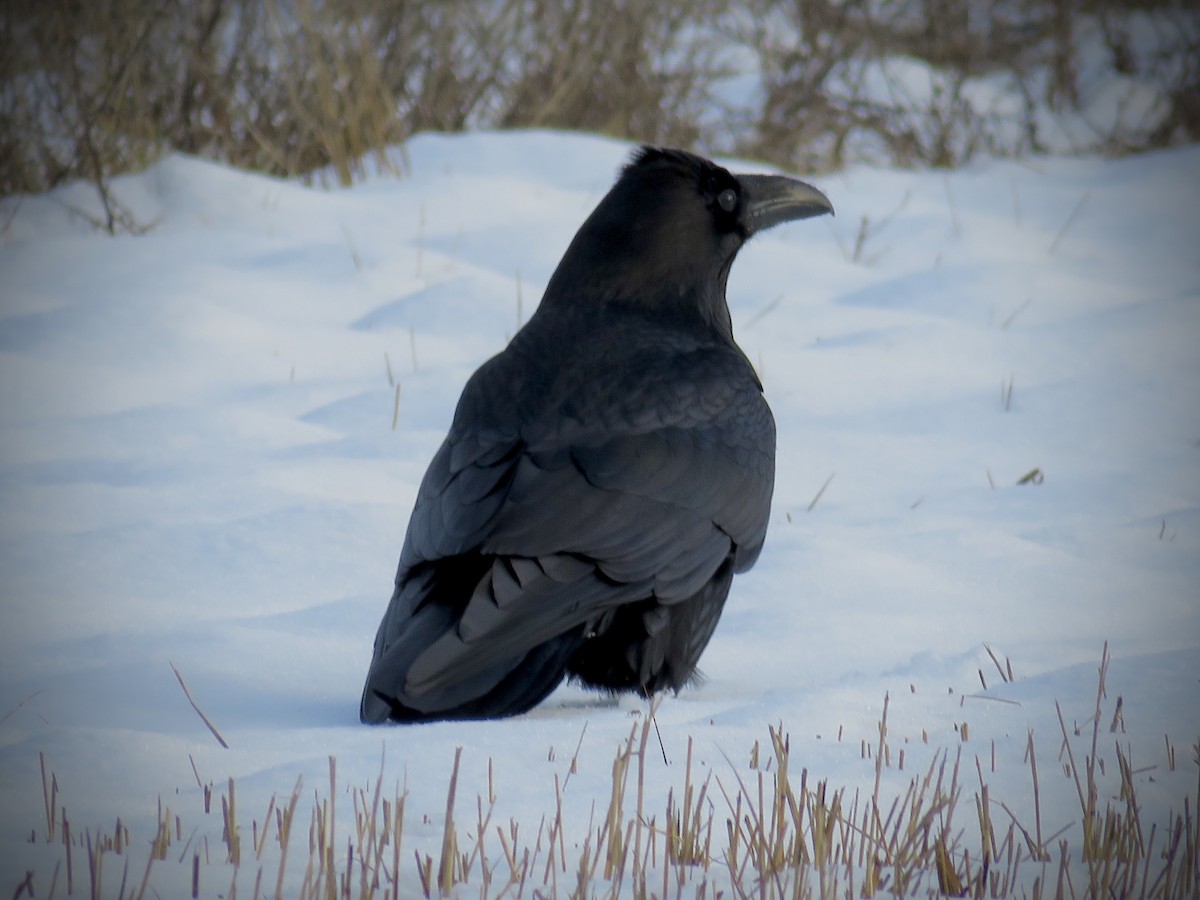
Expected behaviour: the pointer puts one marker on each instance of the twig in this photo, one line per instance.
(30, 697)
(355, 258)
(654, 719)
(1005, 676)
(817, 498)
(950, 201)
(446, 868)
(1016, 312)
(14, 208)
(1070, 220)
(199, 711)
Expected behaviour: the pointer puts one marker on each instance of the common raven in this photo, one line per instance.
(605, 475)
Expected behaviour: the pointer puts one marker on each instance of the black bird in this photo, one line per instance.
(605, 475)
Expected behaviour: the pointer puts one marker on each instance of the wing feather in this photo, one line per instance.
(571, 518)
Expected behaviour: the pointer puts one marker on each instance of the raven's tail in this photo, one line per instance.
(427, 606)
(528, 684)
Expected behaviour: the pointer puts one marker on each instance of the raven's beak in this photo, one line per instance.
(772, 199)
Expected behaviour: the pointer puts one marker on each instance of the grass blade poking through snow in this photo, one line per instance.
(203, 718)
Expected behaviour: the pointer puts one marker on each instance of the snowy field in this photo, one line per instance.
(204, 464)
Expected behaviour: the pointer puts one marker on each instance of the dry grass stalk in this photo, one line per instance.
(283, 833)
(817, 499)
(50, 797)
(783, 837)
(203, 718)
(31, 696)
(449, 870)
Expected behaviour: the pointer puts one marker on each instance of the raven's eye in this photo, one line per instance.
(727, 199)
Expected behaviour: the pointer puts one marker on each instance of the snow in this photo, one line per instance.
(198, 468)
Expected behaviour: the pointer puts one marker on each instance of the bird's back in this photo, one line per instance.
(584, 516)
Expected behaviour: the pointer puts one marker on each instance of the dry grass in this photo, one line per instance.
(767, 830)
(322, 88)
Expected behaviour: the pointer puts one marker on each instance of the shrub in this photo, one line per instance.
(300, 87)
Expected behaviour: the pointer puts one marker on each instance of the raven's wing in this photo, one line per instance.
(516, 539)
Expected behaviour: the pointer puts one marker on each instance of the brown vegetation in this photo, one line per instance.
(771, 829)
(296, 87)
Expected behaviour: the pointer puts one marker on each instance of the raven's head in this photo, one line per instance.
(663, 239)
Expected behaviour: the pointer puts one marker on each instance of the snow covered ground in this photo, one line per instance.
(203, 464)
